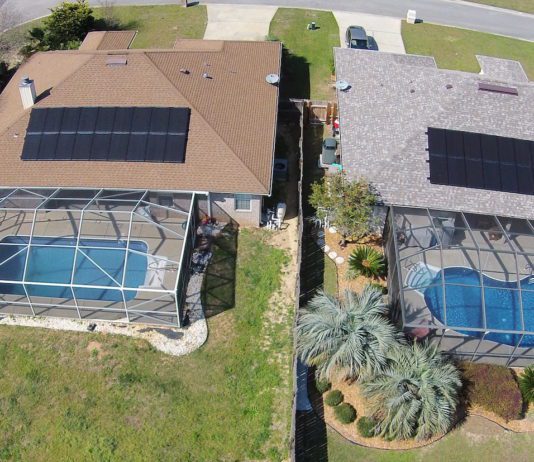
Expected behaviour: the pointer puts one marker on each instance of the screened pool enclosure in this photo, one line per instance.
(110, 255)
(466, 280)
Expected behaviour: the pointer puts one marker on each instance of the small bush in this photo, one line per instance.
(366, 426)
(379, 287)
(333, 398)
(366, 261)
(526, 384)
(345, 413)
(322, 385)
(494, 389)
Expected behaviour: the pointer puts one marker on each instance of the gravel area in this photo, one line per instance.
(169, 340)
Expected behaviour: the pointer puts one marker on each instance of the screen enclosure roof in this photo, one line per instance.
(84, 223)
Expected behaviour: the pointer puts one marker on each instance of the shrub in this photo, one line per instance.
(347, 204)
(379, 287)
(333, 398)
(345, 413)
(494, 389)
(322, 385)
(366, 426)
(63, 29)
(416, 395)
(366, 261)
(526, 384)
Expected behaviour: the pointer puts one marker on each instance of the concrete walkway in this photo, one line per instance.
(238, 22)
(385, 31)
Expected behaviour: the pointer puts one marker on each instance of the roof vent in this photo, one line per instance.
(184, 71)
(206, 76)
(273, 79)
(491, 87)
(116, 60)
(448, 86)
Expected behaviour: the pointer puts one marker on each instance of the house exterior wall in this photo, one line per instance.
(245, 218)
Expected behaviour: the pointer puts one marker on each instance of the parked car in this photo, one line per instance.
(356, 37)
(328, 155)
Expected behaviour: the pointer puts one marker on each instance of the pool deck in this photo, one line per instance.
(162, 244)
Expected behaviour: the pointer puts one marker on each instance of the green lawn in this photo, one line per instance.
(330, 276)
(520, 5)
(458, 447)
(308, 66)
(456, 48)
(230, 400)
(159, 26)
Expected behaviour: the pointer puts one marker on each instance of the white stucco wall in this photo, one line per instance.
(244, 218)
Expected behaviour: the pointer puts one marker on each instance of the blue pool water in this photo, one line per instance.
(54, 265)
(464, 304)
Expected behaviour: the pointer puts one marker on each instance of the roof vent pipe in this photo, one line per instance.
(27, 92)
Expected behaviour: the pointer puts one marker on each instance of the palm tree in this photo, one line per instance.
(416, 395)
(526, 384)
(349, 336)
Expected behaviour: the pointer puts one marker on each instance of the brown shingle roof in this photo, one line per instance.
(230, 145)
(108, 40)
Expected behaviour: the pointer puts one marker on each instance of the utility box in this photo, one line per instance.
(411, 17)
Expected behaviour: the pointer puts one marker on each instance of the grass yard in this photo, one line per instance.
(89, 397)
(308, 65)
(330, 276)
(159, 26)
(460, 446)
(456, 48)
(520, 5)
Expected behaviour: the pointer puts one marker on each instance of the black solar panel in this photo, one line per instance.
(476, 160)
(130, 134)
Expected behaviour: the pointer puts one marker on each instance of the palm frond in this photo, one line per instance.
(417, 393)
(349, 336)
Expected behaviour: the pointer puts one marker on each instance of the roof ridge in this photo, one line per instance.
(25, 111)
(225, 142)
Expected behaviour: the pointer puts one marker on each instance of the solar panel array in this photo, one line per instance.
(476, 160)
(128, 134)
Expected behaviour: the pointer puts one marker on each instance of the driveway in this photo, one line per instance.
(384, 31)
(238, 22)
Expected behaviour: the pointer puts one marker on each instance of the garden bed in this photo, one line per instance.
(525, 425)
(344, 282)
(353, 396)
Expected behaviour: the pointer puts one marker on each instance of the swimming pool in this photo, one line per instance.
(49, 263)
(464, 304)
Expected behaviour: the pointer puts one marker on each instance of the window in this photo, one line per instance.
(242, 202)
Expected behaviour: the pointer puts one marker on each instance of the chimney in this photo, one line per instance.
(27, 92)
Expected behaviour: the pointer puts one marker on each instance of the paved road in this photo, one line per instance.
(449, 12)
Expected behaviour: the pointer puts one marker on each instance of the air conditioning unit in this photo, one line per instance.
(280, 169)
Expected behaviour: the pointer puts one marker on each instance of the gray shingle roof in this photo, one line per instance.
(392, 102)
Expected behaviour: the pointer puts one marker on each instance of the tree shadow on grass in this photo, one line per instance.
(218, 288)
(105, 24)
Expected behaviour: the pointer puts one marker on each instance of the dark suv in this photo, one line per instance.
(356, 37)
